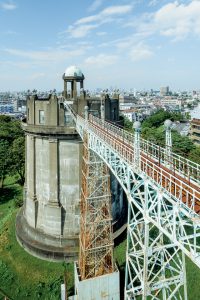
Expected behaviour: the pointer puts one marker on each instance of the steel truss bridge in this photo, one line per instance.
(163, 192)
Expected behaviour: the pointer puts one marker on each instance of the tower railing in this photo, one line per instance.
(185, 167)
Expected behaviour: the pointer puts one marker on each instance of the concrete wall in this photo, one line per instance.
(105, 287)
(57, 214)
(69, 191)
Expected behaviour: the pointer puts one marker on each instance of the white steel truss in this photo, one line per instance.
(163, 206)
(155, 267)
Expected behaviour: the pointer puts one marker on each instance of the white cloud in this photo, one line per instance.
(95, 5)
(101, 60)
(36, 76)
(178, 20)
(8, 5)
(107, 12)
(84, 25)
(81, 31)
(101, 33)
(140, 52)
(9, 32)
(48, 56)
(153, 2)
(174, 20)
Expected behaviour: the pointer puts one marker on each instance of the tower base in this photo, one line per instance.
(45, 246)
(98, 288)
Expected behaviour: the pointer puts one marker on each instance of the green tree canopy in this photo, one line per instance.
(11, 148)
(159, 117)
(17, 154)
(10, 129)
(154, 131)
(195, 154)
(4, 160)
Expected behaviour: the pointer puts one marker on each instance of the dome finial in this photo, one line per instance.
(73, 71)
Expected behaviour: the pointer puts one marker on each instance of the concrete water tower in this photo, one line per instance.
(48, 224)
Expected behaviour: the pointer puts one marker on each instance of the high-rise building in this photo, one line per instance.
(164, 91)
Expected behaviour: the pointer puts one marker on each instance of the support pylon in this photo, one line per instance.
(96, 242)
(155, 267)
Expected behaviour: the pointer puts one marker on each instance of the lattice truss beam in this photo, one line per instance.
(96, 244)
(172, 218)
(155, 267)
(178, 222)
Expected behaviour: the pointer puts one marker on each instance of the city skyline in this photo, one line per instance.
(124, 44)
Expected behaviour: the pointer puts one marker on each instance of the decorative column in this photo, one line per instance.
(102, 113)
(86, 113)
(74, 89)
(137, 160)
(53, 172)
(32, 208)
(65, 89)
(168, 142)
(31, 168)
(52, 225)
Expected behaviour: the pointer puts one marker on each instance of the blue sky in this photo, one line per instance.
(126, 44)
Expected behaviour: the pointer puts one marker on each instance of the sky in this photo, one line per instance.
(120, 43)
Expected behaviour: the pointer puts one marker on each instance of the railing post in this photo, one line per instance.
(168, 142)
(86, 113)
(137, 160)
(102, 114)
(86, 108)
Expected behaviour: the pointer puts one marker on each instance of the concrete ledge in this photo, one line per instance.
(39, 244)
(50, 130)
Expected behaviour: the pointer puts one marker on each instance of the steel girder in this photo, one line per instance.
(159, 226)
(153, 266)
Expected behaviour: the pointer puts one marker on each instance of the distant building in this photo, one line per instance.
(164, 91)
(127, 99)
(195, 131)
(20, 104)
(6, 108)
(171, 101)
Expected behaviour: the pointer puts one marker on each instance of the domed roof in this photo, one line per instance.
(168, 123)
(73, 71)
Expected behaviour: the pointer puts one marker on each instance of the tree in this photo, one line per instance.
(153, 130)
(4, 160)
(158, 118)
(155, 135)
(128, 125)
(18, 158)
(10, 129)
(181, 145)
(195, 154)
(11, 148)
